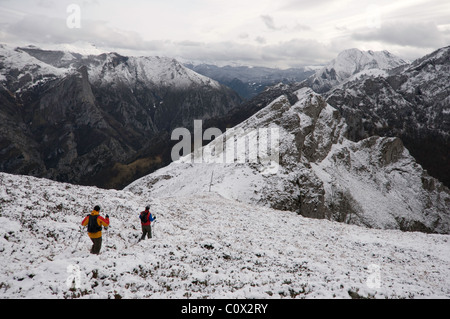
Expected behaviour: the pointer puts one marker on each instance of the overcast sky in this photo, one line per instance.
(276, 33)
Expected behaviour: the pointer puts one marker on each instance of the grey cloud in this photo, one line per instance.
(301, 27)
(46, 3)
(305, 4)
(260, 40)
(244, 35)
(42, 29)
(416, 34)
(300, 52)
(296, 52)
(190, 43)
(269, 22)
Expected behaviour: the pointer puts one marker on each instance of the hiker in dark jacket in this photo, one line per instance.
(146, 220)
(94, 223)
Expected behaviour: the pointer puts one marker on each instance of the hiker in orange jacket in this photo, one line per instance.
(94, 223)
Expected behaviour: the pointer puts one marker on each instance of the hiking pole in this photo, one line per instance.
(152, 228)
(152, 225)
(79, 238)
(106, 237)
(106, 228)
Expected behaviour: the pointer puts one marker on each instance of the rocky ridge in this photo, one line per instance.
(320, 173)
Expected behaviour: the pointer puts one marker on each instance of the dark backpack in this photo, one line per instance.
(144, 216)
(93, 226)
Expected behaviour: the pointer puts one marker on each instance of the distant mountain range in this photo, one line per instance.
(250, 81)
(106, 119)
(379, 93)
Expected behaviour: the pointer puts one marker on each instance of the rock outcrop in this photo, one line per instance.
(411, 102)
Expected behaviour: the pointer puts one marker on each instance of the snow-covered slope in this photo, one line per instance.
(19, 70)
(321, 174)
(148, 71)
(205, 246)
(353, 63)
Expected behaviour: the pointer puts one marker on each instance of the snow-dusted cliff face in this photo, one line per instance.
(84, 118)
(412, 102)
(320, 173)
(350, 64)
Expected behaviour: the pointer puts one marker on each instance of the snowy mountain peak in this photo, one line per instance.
(354, 60)
(352, 63)
(148, 70)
